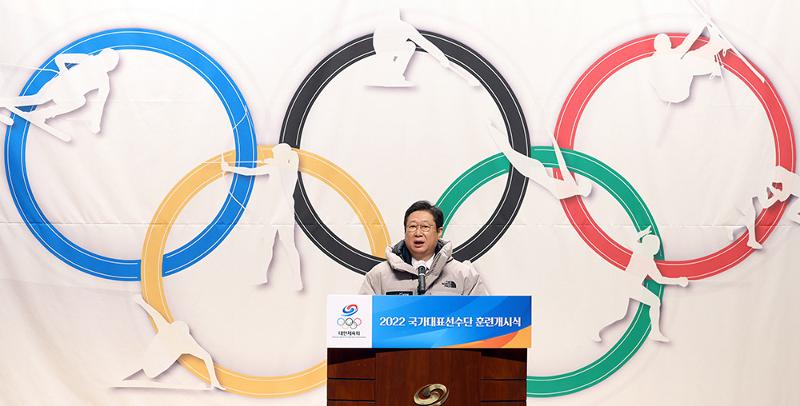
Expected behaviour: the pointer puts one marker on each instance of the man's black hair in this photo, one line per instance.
(438, 216)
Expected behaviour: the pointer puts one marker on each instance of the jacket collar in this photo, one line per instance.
(399, 258)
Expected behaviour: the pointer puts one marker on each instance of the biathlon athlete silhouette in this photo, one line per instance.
(281, 170)
(67, 91)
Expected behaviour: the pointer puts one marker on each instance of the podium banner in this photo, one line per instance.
(429, 321)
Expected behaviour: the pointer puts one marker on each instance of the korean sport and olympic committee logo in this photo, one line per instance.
(347, 321)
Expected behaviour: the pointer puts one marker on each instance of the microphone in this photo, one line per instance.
(421, 273)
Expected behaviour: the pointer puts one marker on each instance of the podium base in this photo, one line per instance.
(388, 377)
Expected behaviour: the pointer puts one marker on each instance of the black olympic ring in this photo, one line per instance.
(513, 117)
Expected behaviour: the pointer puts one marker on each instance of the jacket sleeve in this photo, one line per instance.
(371, 284)
(473, 283)
(366, 288)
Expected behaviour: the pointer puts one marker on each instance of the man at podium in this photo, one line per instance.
(422, 264)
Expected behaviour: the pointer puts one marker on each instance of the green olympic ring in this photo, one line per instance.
(626, 195)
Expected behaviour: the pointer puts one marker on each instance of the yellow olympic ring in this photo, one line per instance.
(156, 239)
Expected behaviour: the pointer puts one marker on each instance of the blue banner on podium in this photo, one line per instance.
(429, 321)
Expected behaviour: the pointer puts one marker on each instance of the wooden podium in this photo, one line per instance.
(388, 377)
(427, 350)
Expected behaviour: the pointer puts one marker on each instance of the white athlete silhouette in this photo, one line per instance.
(282, 172)
(536, 171)
(766, 197)
(395, 42)
(171, 341)
(642, 265)
(673, 69)
(746, 217)
(67, 91)
(790, 186)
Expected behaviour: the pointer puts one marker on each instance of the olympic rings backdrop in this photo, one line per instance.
(142, 206)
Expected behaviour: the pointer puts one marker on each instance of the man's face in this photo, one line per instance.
(422, 234)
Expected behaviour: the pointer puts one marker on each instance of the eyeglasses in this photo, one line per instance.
(425, 228)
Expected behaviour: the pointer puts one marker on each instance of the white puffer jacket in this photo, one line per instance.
(447, 276)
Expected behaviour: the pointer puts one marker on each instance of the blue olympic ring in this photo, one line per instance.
(243, 133)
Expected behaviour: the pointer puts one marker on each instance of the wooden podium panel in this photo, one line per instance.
(389, 377)
(402, 373)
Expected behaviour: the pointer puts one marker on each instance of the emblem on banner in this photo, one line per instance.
(348, 322)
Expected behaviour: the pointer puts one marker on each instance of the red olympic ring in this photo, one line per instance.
(575, 209)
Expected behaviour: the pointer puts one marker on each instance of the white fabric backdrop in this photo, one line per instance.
(68, 336)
